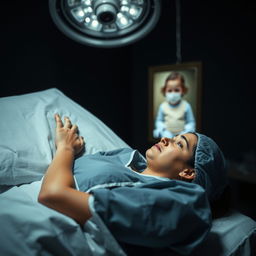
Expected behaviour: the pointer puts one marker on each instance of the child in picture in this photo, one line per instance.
(174, 115)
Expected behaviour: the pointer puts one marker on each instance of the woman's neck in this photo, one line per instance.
(152, 172)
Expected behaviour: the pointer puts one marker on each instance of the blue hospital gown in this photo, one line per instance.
(140, 209)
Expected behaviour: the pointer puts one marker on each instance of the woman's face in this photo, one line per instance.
(173, 86)
(171, 155)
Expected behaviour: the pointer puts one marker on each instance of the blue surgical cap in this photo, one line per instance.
(210, 167)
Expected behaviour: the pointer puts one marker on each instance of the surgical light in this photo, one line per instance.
(105, 23)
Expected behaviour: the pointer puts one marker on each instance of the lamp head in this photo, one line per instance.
(105, 23)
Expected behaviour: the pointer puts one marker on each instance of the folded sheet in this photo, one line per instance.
(27, 131)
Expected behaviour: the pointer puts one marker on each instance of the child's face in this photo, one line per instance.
(173, 86)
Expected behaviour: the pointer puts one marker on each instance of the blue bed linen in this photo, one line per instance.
(27, 149)
(29, 228)
(231, 235)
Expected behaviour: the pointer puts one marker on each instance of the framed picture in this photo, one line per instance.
(191, 73)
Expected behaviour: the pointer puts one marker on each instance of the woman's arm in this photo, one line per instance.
(58, 189)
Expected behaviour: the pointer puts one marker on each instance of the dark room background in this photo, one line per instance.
(113, 83)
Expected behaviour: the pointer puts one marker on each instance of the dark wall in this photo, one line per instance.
(113, 83)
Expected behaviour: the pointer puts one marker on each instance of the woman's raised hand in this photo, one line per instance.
(67, 136)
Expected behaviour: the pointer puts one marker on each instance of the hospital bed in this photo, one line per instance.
(26, 149)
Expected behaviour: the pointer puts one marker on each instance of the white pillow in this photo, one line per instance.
(27, 131)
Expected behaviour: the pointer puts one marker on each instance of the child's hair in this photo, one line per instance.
(175, 76)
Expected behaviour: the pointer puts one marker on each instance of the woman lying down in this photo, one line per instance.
(160, 202)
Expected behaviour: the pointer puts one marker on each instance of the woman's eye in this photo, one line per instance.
(180, 144)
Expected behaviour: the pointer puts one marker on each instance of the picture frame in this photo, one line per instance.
(192, 73)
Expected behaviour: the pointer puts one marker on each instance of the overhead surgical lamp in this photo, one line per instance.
(105, 23)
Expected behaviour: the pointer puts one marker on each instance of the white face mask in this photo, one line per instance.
(173, 97)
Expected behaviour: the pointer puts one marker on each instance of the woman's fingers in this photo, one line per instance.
(74, 128)
(81, 140)
(59, 123)
(68, 123)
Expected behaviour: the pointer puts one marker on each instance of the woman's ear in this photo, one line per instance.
(187, 174)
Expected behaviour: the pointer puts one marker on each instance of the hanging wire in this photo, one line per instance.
(178, 33)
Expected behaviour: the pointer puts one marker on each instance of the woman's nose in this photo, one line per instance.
(165, 141)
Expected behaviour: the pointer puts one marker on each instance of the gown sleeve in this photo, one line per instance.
(153, 215)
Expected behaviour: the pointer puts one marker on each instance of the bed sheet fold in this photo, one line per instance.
(27, 131)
